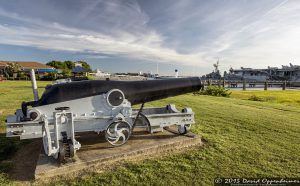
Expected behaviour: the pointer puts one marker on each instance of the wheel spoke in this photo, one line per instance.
(123, 137)
(116, 127)
(109, 133)
(115, 141)
(123, 129)
(116, 131)
(113, 138)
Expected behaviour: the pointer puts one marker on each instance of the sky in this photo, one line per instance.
(141, 35)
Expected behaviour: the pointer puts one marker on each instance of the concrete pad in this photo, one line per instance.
(96, 152)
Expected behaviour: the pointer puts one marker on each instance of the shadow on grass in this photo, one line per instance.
(8, 146)
(18, 158)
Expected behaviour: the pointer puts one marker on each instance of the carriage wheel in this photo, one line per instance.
(117, 133)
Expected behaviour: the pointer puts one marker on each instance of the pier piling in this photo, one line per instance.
(244, 84)
(266, 85)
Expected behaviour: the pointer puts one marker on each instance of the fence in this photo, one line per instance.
(250, 84)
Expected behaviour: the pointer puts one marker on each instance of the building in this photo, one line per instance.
(78, 70)
(288, 73)
(26, 66)
(99, 73)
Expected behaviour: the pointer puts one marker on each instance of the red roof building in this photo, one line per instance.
(28, 65)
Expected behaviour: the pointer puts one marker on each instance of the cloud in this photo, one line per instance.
(190, 33)
(95, 56)
(140, 43)
(271, 40)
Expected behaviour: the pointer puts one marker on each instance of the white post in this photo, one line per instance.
(34, 85)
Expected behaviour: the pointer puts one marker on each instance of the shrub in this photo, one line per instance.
(256, 98)
(214, 91)
(66, 72)
(50, 77)
(269, 98)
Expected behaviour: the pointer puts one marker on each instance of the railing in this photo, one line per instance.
(250, 84)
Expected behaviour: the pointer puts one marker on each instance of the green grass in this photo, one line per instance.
(287, 97)
(245, 139)
(12, 94)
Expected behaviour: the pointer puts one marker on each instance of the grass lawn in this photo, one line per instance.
(287, 97)
(245, 139)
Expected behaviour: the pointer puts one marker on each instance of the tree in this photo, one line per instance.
(85, 65)
(50, 76)
(66, 72)
(69, 64)
(13, 69)
(57, 64)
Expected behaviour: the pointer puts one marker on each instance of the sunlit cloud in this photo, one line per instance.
(191, 33)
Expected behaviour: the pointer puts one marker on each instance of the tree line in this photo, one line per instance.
(14, 70)
(68, 64)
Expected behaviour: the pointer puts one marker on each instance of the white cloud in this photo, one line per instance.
(144, 45)
(271, 40)
(261, 36)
